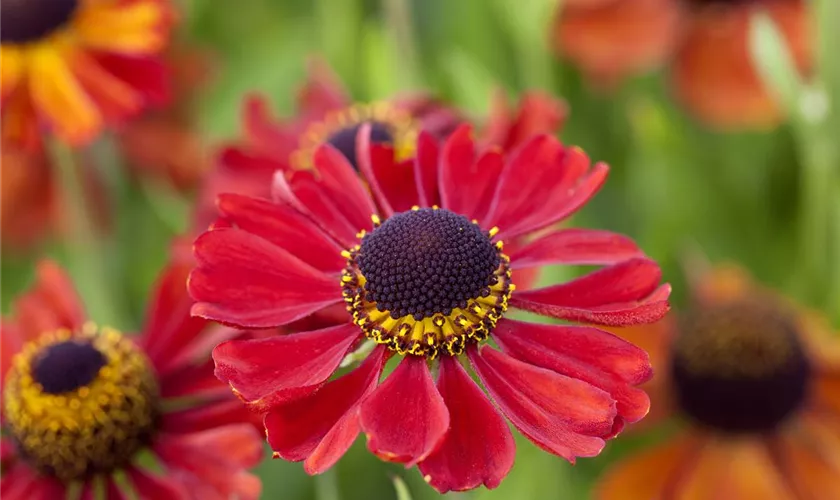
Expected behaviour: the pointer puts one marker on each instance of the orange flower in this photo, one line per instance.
(755, 380)
(27, 206)
(75, 65)
(705, 43)
(164, 142)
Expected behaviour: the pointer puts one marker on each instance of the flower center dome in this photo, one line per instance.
(30, 20)
(739, 367)
(427, 280)
(388, 125)
(78, 404)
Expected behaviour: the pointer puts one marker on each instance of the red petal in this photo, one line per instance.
(321, 427)
(324, 207)
(391, 182)
(169, 327)
(52, 303)
(425, 170)
(343, 186)
(541, 185)
(323, 91)
(149, 487)
(21, 482)
(276, 370)
(243, 162)
(265, 132)
(285, 227)
(457, 159)
(195, 380)
(244, 280)
(584, 353)
(206, 416)
(148, 75)
(537, 113)
(622, 294)
(405, 418)
(217, 458)
(478, 448)
(562, 415)
(576, 246)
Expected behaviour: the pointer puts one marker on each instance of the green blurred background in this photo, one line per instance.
(675, 186)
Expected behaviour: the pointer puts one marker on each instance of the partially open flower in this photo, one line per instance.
(754, 380)
(83, 403)
(326, 114)
(705, 43)
(73, 66)
(423, 254)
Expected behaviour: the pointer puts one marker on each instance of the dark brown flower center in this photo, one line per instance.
(79, 404)
(23, 21)
(344, 140)
(740, 367)
(426, 282)
(388, 125)
(423, 262)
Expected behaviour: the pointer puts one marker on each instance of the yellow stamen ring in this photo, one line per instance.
(94, 428)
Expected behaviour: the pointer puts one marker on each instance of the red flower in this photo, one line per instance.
(326, 113)
(705, 42)
(429, 285)
(80, 403)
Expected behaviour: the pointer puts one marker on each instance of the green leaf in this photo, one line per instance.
(401, 488)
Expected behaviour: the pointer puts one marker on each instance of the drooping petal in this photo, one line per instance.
(426, 170)
(269, 372)
(205, 416)
(543, 183)
(478, 448)
(562, 415)
(647, 474)
(806, 466)
(323, 91)
(244, 280)
(169, 327)
(52, 303)
(584, 353)
(405, 418)
(576, 247)
(321, 427)
(285, 227)
(622, 294)
(150, 487)
(218, 458)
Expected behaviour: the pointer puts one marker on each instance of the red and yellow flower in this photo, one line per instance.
(82, 404)
(74, 66)
(413, 249)
(705, 43)
(326, 113)
(754, 382)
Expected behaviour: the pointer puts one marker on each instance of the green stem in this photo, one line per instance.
(326, 485)
(86, 252)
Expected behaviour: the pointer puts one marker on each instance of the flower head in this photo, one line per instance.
(326, 114)
(705, 42)
(81, 403)
(74, 65)
(753, 378)
(424, 254)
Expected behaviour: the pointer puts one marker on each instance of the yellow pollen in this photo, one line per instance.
(91, 429)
